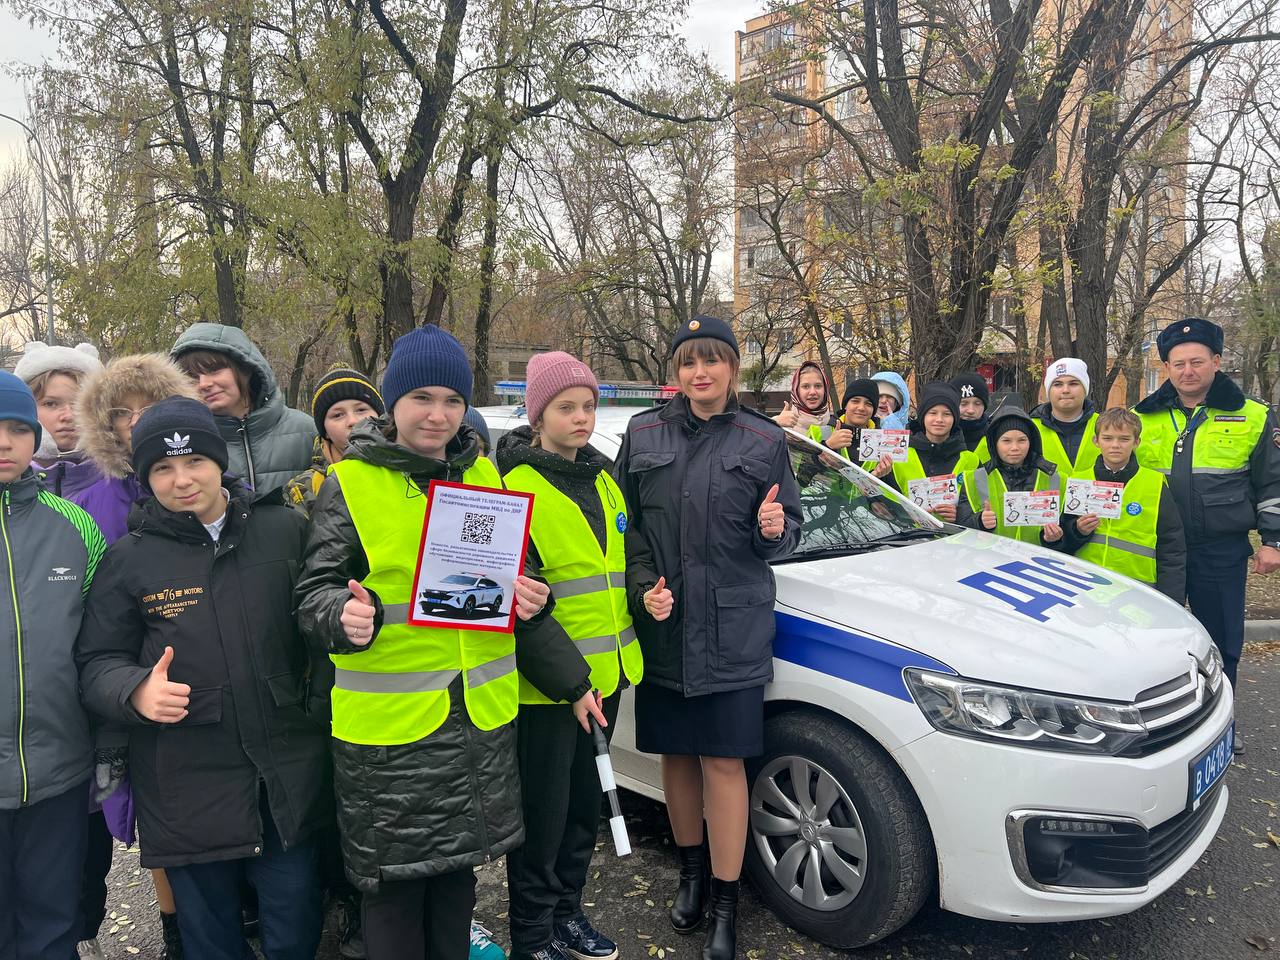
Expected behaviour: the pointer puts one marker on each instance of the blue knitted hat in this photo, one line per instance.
(18, 403)
(426, 357)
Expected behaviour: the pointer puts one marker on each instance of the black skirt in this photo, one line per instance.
(729, 724)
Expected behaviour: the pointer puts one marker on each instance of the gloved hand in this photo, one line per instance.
(109, 768)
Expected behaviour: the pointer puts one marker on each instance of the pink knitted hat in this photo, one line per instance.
(548, 374)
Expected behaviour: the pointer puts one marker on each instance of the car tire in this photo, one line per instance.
(469, 606)
(869, 807)
(497, 604)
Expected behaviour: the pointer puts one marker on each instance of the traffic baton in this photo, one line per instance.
(604, 766)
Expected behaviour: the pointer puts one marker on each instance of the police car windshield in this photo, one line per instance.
(846, 510)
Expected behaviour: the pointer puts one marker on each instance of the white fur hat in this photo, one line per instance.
(38, 358)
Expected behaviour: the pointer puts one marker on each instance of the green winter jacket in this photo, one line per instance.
(272, 444)
(49, 549)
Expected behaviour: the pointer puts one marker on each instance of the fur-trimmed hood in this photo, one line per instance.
(150, 376)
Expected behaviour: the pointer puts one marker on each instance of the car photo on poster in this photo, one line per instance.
(473, 595)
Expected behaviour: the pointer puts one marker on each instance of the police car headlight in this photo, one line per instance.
(1024, 718)
(1211, 666)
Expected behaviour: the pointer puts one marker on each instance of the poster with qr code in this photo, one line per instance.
(473, 547)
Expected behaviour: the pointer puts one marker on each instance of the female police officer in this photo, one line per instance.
(713, 500)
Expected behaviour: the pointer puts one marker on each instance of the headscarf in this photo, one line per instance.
(806, 417)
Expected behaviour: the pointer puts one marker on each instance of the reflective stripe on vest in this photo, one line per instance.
(983, 485)
(1056, 453)
(1222, 444)
(1127, 544)
(913, 468)
(589, 585)
(397, 691)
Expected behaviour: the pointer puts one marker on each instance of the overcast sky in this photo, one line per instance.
(710, 27)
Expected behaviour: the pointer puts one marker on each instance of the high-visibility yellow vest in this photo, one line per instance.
(1128, 544)
(1224, 439)
(397, 691)
(981, 484)
(913, 469)
(1056, 453)
(589, 586)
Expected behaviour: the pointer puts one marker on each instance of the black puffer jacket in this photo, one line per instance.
(443, 803)
(694, 488)
(226, 611)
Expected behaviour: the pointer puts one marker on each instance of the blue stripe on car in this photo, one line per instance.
(865, 661)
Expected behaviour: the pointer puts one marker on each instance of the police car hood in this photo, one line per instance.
(998, 610)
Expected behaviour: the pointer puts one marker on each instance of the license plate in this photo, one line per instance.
(1208, 768)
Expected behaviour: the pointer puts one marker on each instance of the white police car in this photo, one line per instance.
(1029, 735)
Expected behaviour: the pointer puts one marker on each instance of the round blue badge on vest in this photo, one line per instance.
(621, 522)
(1133, 509)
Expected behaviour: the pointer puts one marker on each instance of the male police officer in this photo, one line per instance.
(1221, 453)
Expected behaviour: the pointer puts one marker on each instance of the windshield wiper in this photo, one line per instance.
(835, 550)
(905, 535)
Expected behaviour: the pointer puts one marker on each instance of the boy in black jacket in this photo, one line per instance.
(189, 639)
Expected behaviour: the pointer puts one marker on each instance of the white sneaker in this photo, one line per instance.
(90, 950)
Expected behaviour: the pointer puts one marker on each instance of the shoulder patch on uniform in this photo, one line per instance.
(1275, 437)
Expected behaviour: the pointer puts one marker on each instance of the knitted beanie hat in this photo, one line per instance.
(973, 385)
(342, 383)
(869, 390)
(548, 374)
(18, 403)
(175, 427)
(426, 357)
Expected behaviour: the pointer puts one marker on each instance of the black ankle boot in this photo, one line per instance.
(172, 938)
(722, 932)
(690, 902)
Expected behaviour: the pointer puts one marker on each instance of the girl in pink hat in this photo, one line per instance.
(573, 664)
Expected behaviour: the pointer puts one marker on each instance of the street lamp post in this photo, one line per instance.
(44, 209)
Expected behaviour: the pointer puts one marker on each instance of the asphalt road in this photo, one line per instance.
(1227, 906)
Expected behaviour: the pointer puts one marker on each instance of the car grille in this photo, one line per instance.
(1173, 709)
(1171, 838)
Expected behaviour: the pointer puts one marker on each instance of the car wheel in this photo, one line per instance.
(839, 846)
(497, 604)
(469, 607)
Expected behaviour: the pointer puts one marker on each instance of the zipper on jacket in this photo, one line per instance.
(243, 430)
(17, 619)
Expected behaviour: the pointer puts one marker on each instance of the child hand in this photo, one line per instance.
(531, 597)
(884, 467)
(988, 515)
(589, 705)
(945, 511)
(156, 698)
(788, 417)
(357, 615)
(1052, 533)
(840, 439)
(1088, 523)
(658, 601)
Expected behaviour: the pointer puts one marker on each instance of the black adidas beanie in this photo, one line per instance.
(175, 427)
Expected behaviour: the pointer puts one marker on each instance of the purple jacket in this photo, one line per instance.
(66, 478)
(108, 500)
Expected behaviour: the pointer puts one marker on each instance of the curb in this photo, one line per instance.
(1259, 631)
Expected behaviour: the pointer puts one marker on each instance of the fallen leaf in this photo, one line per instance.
(1273, 838)
(1258, 943)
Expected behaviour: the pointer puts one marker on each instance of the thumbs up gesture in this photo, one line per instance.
(770, 516)
(788, 417)
(988, 515)
(357, 615)
(159, 699)
(658, 601)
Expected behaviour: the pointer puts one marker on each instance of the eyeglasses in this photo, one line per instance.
(120, 415)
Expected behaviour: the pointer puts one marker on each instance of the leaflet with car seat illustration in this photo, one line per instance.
(1033, 508)
(930, 492)
(472, 549)
(1102, 498)
(874, 444)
